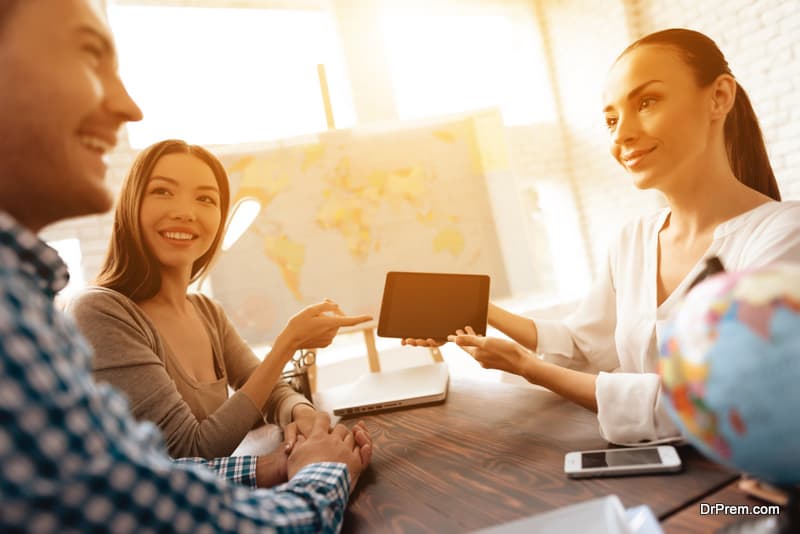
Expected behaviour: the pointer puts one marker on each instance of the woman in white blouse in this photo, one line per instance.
(678, 122)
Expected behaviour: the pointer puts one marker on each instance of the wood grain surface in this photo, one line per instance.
(689, 520)
(492, 453)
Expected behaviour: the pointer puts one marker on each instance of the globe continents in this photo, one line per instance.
(730, 368)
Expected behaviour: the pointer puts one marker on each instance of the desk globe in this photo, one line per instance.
(730, 369)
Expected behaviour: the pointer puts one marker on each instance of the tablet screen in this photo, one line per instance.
(433, 305)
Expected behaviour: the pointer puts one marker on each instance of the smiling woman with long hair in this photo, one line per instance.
(175, 354)
(678, 122)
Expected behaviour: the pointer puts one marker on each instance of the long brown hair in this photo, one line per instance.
(744, 143)
(130, 267)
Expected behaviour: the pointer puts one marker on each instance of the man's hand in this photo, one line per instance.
(339, 445)
(304, 417)
(364, 442)
(271, 469)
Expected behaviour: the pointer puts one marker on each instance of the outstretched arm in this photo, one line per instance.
(313, 327)
(505, 355)
(520, 329)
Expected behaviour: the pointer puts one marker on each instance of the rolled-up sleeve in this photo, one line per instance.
(629, 408)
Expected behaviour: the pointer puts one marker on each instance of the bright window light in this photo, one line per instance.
(242, 216)
(445, 63)
(227, 76)
(70, 252)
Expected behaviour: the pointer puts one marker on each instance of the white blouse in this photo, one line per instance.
(615, 329)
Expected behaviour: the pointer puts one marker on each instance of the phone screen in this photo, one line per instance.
(620, 457)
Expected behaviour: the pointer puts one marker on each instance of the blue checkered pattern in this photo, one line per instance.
(73, 459)
(238, 469)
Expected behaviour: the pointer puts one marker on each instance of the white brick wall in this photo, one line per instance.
(761, 41)
(584, 37)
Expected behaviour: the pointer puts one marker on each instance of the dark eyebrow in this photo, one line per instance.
(634, 92)
(174, 182)
(108, 46)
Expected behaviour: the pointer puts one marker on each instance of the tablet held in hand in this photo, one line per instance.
(433, 305)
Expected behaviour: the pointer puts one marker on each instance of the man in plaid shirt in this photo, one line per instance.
(71, 456)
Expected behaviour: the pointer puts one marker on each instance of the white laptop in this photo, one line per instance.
(386, 390)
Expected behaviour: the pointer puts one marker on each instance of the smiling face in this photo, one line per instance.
(62, 105)
(658, 118)
(180, 215)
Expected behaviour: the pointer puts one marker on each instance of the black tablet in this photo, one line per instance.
(433, 305)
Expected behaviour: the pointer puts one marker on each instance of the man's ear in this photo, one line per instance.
(723, 95)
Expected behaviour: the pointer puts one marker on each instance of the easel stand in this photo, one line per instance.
(372, 351)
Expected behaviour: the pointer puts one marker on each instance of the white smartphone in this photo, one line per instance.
(619, 462)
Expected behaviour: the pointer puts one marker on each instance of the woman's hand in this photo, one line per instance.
(303, 417)
(492, 352)
(311, 328)
(430, 342)
(315, 326)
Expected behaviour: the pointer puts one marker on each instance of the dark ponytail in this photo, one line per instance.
(744, 143)
(747, 153)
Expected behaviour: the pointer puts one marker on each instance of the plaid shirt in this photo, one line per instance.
(73, 459)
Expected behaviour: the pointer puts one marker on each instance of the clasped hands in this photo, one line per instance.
(310, 439)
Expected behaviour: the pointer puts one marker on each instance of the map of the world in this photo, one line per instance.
(340, 210)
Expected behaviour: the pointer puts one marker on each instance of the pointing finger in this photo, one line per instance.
(349, 320)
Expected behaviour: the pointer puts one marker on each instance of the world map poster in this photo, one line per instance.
(340, 210)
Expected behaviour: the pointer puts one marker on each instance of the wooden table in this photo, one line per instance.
(493, 453)
(690, 521)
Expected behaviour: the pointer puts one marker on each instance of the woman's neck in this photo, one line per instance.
(172, 294)
(703, 199)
